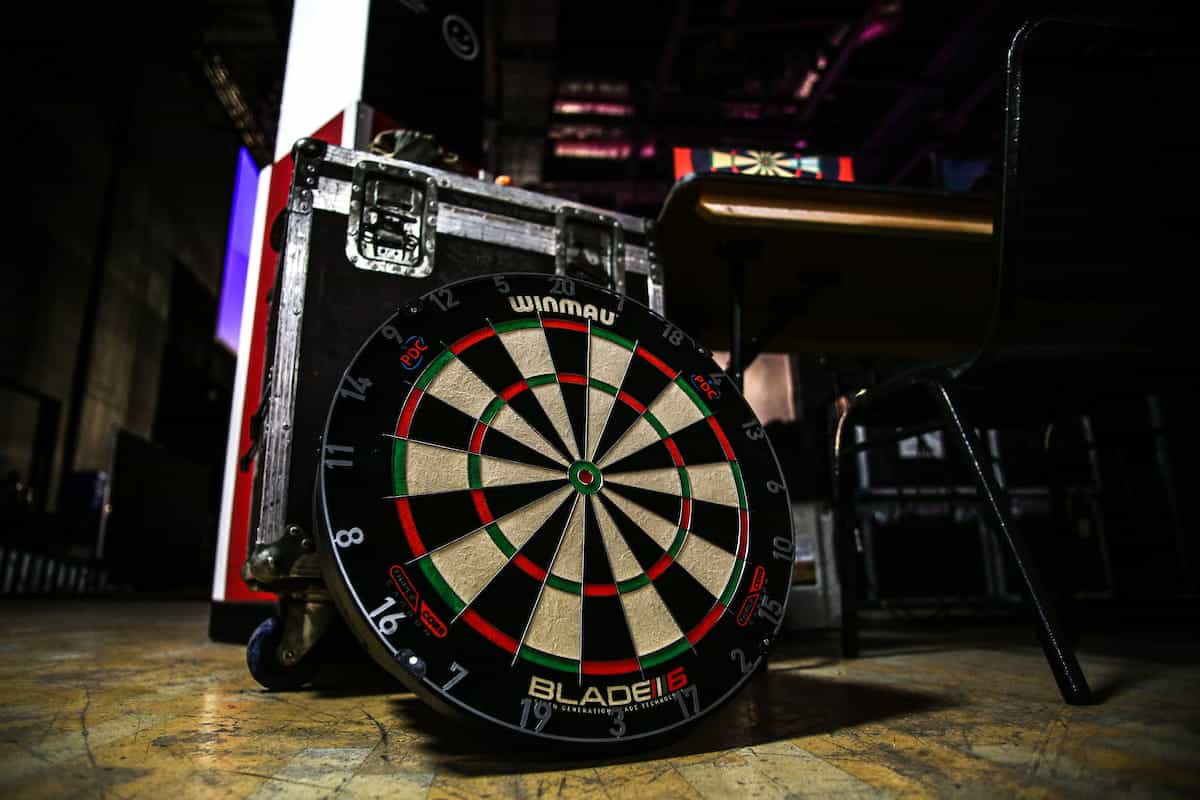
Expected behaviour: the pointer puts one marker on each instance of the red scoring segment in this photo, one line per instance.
(656, 361)
(712, 423)
(564, 324)
(406, 415)
(470, 339)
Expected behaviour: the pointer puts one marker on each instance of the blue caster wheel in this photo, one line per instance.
(262, 657)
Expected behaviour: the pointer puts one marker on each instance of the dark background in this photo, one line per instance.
(124, 127)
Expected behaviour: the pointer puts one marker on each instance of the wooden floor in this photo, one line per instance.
(122, 700)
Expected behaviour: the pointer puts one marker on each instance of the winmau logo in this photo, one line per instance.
(556, 305)
(615, 695)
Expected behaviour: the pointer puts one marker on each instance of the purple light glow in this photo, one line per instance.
(237, 251)
(874, 31)
(601, 109)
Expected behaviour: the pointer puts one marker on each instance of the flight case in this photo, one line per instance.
(362, 236)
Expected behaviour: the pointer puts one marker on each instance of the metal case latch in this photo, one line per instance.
(590, 246)
(393, 219)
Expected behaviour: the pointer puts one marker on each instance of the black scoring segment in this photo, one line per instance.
(605, 631)
(716, 524)
(502, 500)
(576, 399)
(687, 599)
(453, 511)
(643, 381)
(490, 360)
(500, 445)
(596, 566)
(698, 444)
(507, 601)
(569, 351)
(541, 547)
(530, 409)
(653, 456)
(568, 347)
(620, 418)
(438, 422)
(644, 549)
(666, 506)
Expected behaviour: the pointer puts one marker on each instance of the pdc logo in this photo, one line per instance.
(705, 386)
(414, 352)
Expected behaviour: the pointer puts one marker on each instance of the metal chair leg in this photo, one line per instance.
(846, 550)
(1059, 653)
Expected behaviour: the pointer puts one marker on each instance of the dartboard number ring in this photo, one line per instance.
(570, 524)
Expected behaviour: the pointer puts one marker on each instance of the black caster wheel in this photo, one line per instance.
(263, 660)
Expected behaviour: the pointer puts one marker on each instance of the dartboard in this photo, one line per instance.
(545, 507)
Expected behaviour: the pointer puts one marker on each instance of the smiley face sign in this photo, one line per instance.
(460, 37)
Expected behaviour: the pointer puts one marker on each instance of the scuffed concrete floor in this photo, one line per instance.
(124, 700)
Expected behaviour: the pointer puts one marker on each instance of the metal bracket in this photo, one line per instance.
(305, 621)
(288, 563)
(392, 221)
(590, 246)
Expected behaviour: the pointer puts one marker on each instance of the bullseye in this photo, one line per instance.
(585, 477)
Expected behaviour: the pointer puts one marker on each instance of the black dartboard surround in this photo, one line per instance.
(542, 506)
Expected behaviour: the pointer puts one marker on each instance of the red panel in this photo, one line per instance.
(566, 324)
(610, 667)
(470, 339)
(846, 169)
(239, 524)
(710, 619)
(406, 416)
(673, 449)
(477, 437)
(683, 162)
(410, 529)
(528, 567)
(514, 390)
(566, 377)
(600, 589)
(489, 631)
(628, 400)
(685, 514)
(656, 361)
(716, 426)
(659, 567)
(481, 507)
